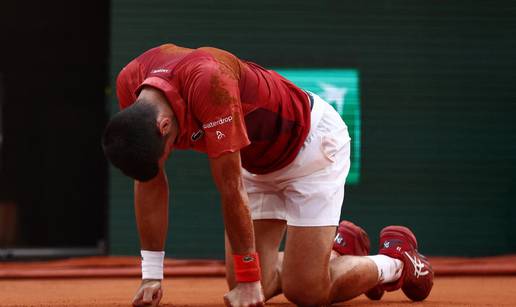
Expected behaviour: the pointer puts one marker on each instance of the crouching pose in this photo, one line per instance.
(279, 157)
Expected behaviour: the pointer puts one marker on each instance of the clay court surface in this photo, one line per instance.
(112, 282)
(448, 291)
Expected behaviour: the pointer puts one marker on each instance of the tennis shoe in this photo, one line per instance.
(351, 239)
(417, 277)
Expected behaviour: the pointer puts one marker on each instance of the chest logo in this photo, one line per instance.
(220, 135)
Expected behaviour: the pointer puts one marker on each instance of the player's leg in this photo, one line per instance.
(313, 205)
(352, 240)
(313, 202)
(268, 234)
(308, 276)
(399, 264)
(351, 276)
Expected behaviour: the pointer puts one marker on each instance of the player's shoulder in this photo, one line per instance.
(134, 63)
(198, 62)
(219, 54)
(200, 57)
(166, 51)
(212, 60)
(128, 72)
(159, 54)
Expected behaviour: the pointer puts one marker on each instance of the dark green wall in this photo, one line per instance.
(438, 96)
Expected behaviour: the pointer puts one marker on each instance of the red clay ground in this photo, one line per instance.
(203, 291)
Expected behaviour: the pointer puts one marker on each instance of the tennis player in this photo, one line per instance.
(279, 157)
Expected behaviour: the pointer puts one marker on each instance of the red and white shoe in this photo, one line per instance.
(417, 278)
(353, 240)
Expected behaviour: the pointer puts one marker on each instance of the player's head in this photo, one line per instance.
(135, 140)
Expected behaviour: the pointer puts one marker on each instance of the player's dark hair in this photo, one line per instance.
(132, 141)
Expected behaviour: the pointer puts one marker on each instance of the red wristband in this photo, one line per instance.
(247, 267)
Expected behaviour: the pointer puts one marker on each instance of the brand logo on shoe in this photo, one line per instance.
(418, 266)
(390, 243)
(340, 240)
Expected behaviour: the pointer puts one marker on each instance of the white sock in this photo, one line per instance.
(389, 269)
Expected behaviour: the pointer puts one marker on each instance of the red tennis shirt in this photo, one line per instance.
(223, 104)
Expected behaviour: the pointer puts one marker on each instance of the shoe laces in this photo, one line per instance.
(418, 265)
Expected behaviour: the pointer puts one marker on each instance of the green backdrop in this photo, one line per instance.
(340, 88)
(438, 106)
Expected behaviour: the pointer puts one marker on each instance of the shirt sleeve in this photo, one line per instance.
(214, 96)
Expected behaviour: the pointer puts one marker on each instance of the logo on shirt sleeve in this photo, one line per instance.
(220, 135)
(160, 70)
(218, 122)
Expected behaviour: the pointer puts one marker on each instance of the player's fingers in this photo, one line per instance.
(139, 303)
(137, 299)
(148, 294)
(226, 301)
(157, 297)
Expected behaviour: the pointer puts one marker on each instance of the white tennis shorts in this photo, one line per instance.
(310, 190)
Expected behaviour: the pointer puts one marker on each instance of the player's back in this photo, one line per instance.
(276, 112)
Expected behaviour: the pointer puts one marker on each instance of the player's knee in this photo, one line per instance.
(305, 296)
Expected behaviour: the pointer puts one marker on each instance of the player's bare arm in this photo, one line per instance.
(138, 142)
(226, 172)
(151, 208)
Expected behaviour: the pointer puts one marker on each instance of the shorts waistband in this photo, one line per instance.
(310, 99)
(317, 106)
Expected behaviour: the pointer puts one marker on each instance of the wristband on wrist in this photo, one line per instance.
(152, 264)
(247, 267)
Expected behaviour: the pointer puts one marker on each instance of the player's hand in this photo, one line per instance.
(149, 293)
(247, 294)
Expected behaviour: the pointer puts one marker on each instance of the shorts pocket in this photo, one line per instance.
(310, 159)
